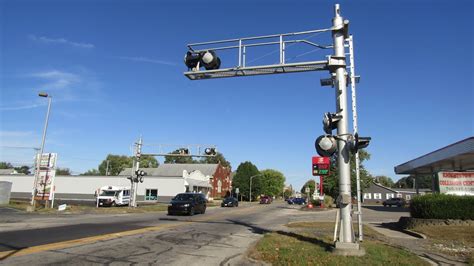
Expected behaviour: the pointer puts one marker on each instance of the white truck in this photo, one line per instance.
(112, 196)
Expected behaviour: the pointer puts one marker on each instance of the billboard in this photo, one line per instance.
(45, 178)
(456, 183)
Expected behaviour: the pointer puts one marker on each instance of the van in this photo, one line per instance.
(113, 196)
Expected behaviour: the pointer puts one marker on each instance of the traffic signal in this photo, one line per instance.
(325, 145)
(210, 151)
(208, 59)
(360, 142)
(330, 122)
(183, 151)
(139, 176)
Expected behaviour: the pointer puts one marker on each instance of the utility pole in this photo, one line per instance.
(107, 169)
(135, 167)
(342, 128)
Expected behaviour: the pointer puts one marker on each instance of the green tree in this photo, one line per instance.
(178, 159)
(5, 165)
(218, 158)
(147, 161)
(385, 181)
(91, 172)
(408, 182)
(312, 187)
(63, 171)
(24, 169)
(331, 182)
(288, 193)
(271, 182)
(117, 163)
(242, 176)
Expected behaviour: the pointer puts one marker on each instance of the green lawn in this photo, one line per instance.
(310, 245)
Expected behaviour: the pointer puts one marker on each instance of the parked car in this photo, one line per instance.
(230, 202)
(187, 203)
(299, 201)
(290, 200)
(399, 202)
(266, 200)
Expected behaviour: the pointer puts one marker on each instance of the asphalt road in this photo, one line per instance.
(222, 236)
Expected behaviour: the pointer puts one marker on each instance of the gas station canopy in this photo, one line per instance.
(458, 156)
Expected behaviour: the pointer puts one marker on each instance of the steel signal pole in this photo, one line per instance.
(343, 159)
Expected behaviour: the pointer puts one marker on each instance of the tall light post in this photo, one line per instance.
(38, 164)
(250, 192)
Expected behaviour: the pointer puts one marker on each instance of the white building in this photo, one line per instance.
(160, 184)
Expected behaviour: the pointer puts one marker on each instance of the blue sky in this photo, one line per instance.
(115, 71)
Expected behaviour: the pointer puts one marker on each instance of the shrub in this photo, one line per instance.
(315, 202)
(328, 201)
(442, 206)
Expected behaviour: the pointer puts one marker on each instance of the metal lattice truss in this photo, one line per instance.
(241, 69)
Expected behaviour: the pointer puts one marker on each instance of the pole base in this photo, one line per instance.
(348, 249)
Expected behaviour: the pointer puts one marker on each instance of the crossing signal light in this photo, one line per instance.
(210, 151)
(208, 59)
(183, 151)
(325, 145)
(330, 122)
(360, 142)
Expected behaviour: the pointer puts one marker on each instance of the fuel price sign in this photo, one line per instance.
(321, 166)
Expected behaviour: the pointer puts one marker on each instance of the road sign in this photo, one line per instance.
(307, 190)
(321, 166)
(237, 190)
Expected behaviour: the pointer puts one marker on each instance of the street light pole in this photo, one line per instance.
(37, 172)
(250, 194)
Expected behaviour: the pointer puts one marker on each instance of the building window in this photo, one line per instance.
(367, 196)
(408, 197)
(151, 194)
(399, 195)
(219, 186)
(377, 195)
(389, 195)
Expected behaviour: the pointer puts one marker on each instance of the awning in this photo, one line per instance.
(455, 157)
(196, 183)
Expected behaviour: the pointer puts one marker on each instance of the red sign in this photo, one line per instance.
(321, 166)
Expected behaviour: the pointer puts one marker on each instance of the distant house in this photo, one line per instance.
(377, 193)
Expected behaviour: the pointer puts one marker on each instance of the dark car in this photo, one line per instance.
(266, 200)
(230, 202)
(299, 201)
(187, 203)
(399, 202)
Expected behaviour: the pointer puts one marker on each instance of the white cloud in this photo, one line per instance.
(20, 107)
(57, 79)
(6, 133)
(148, 60)
(46, 40)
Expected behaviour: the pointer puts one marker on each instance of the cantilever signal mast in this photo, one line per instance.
(204, 54)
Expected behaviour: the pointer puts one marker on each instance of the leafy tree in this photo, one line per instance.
(117, 163)
(5, 165)
(242, 176)
(271, 182)
(63, 171)
(147, 161)
(287, 193)
(312, 187)
(218, 158)
(24, 169)
(408, 182)
(92, 172)
(385, 181)
(331, 182)
(179, 159)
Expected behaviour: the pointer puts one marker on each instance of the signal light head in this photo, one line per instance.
(360, 142)
(330, 122)
(208, 59)
(210, 151)
(183, 151)
(325, 145)
(191, 59)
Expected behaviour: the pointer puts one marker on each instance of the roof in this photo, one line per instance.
(176, 170)
(380, 185)
(458, 156)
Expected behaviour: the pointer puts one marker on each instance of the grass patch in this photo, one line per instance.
(310, 244)
(79, 209)
(454, 240)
